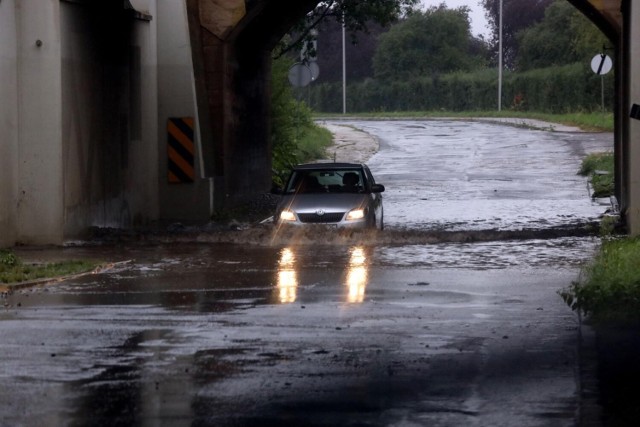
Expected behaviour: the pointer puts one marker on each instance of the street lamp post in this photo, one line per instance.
(344, 70)
(500, 59)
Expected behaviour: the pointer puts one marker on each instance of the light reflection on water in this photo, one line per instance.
(357, 273)
(287, 276)
(289, 265)
(350, 266)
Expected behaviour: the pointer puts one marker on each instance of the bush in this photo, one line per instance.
(294, 136)
(8, 259)
(610, 287)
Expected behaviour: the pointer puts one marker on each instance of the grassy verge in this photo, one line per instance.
(314, 143)
(609, 289)
(593, 122)
(14, 270)
(599, 168)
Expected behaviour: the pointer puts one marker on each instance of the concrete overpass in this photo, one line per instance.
(120, 113)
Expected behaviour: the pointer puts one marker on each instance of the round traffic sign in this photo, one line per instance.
(300, 75)
(315, 69)
(601, 64)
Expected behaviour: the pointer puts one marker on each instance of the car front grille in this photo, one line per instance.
(313, 218)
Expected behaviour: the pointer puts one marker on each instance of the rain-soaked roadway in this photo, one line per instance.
(327, 332)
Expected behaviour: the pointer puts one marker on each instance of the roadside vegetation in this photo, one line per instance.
(14, 270)
(295, 138)
(608, 291)
(590, 122)
(598, 167)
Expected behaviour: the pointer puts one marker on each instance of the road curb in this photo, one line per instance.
(12, 287)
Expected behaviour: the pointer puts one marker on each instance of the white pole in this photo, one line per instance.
(602, 91)
(344, 71)
(500, 60)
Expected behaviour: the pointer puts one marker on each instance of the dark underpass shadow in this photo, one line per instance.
(618, 357)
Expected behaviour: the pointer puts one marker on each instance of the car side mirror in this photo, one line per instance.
(277, 190)
(377, 188)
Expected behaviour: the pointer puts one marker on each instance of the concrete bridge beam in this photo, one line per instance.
(232, 41)
(631, 151)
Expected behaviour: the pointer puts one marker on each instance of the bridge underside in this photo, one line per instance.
(606, 11)
(231, 43)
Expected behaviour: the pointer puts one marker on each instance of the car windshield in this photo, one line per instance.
(325, 181)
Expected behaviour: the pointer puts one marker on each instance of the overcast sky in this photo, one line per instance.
(478, 21)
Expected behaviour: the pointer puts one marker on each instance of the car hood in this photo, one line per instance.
(328, 202)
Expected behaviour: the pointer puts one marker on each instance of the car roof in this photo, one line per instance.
(328, 165)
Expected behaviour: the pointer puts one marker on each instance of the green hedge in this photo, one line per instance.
(562, 89)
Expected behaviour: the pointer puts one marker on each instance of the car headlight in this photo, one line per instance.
(355, 214)
(287, 215)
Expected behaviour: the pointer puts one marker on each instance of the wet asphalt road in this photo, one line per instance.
(320, 334)
(474, 175)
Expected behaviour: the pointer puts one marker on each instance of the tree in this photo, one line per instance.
(588, 39)
(564, 36)
(355, 15)
(517, 15)
(426, 43)
(359, 52)
(548, 42)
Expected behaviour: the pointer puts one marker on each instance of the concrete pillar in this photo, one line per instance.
(177, 98)
(8, 123)
(39, 202)
(632, 161)
(143, 172)
(109, 116)
(30, 111)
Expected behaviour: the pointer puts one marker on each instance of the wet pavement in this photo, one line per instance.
(363, 330)
(474, 175)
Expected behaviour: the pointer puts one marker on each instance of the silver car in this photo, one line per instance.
(342, 195)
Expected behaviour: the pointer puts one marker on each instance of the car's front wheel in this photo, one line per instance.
(373, 223)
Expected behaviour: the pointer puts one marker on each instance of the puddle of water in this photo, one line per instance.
(207, 278)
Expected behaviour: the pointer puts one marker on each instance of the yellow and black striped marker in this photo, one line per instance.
(180, 150)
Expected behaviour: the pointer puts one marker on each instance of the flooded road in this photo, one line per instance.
(362, 331)
(475, 175)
